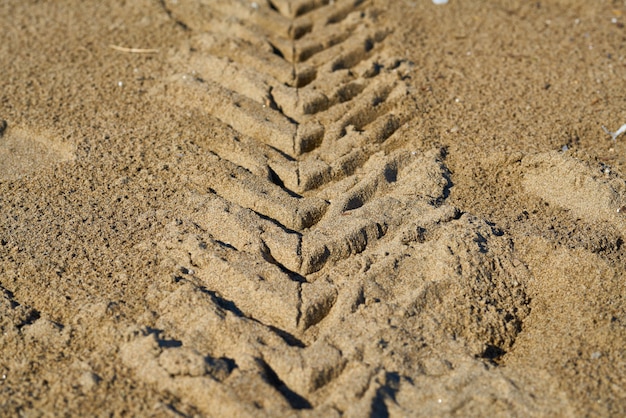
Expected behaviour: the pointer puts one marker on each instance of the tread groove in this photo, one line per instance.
(304, 88)
(301, 179)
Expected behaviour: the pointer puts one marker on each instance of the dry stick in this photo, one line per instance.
(134, 50)
(617, 133)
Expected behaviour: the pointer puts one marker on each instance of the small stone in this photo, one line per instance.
(89, 380)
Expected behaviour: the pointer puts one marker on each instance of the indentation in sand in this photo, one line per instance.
(24, 151)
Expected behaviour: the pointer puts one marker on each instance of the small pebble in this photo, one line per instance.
(89, 380)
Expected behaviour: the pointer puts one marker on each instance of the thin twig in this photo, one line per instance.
(617, 133)
(134, 50)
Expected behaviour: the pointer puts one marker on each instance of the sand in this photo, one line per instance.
(312, 208)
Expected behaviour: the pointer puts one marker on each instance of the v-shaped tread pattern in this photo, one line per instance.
(304, 85)
(309, 97)
(311, 100)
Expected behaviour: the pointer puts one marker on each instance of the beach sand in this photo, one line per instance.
(312, 208)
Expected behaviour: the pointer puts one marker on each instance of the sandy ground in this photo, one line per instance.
(295, 208)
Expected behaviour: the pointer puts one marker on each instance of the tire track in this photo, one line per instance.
(310, 100)
(310, 97)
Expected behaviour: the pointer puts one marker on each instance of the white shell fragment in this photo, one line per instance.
(440, 1)
(617, 133)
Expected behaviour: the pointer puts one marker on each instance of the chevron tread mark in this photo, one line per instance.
(310, 102)
(253, 371)
(301, 180)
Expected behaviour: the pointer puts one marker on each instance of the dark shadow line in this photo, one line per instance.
(295, 400)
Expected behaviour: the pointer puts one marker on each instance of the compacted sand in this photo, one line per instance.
(312, 208)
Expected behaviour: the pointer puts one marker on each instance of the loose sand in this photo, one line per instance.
(364, 208)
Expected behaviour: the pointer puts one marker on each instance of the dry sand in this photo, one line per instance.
(295, 208)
